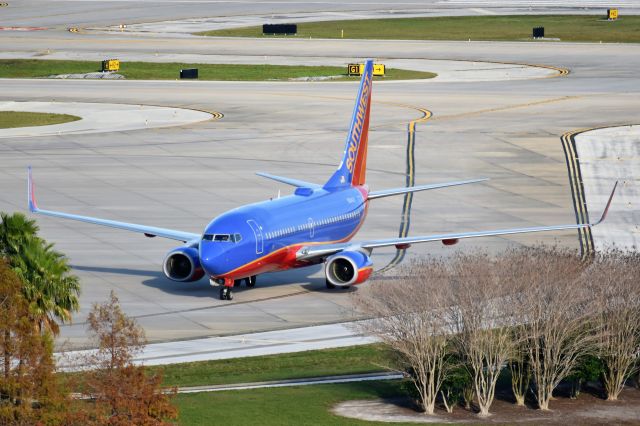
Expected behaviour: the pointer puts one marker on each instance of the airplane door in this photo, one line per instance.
(311, 228)
(257, 231)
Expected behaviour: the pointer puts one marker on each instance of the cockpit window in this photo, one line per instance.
(222, 237)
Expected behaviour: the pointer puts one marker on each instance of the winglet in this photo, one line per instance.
(606, 209)
(33, 206)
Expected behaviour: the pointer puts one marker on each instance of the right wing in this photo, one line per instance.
(397, 191)
(319, 251)
(149, 231)
(289, 181)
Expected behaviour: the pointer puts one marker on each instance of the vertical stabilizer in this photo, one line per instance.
(353, 166)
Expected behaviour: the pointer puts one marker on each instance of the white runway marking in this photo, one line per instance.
(607, 155)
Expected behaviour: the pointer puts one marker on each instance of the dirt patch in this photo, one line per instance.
(589, 409)
(90, 76)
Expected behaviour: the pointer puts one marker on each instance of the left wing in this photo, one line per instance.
(314, 252)
(149, 231)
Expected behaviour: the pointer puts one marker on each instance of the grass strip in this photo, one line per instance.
(34, 68)
(593, 28)
(303, 405)
(326, 362)
(12, 119)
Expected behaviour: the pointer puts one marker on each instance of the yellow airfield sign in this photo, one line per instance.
(356, 69)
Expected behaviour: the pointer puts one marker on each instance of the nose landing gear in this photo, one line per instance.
(227, 284)
(226, 293)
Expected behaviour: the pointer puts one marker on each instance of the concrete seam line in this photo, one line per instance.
(505, 108)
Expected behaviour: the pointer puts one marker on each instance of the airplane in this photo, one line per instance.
(314, 225)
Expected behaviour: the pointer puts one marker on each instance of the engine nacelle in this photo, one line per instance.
(183, 264)
(347, 268)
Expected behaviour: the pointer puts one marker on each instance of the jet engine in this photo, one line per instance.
(347, 268)
(183, 264)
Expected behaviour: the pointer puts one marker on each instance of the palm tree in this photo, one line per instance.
(14, 229)
(47, 283)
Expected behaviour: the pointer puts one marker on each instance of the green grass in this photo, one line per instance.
(33, 68)
(565, 27)
(328, 362)
(302, 405)
(11, 119)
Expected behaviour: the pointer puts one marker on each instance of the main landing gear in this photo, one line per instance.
(227, 294)
(250, 281)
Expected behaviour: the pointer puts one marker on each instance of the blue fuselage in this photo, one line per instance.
(265, 236)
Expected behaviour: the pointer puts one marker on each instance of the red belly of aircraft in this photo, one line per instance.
(279, 260)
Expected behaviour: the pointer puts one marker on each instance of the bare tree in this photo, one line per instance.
(615, 281)
(519, 366)
(408, 317)
(478, 300)
(552, 301)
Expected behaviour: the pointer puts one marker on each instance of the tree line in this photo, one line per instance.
(37, 292)
(542, 314)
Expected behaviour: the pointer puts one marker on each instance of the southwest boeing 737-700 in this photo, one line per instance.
(314, 225)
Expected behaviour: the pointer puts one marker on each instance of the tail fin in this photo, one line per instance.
(353, 166)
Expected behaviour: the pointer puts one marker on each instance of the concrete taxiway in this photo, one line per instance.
(508, 129)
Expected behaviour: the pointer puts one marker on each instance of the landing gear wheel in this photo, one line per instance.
(250, 281)
(226, 293)
(328, 284)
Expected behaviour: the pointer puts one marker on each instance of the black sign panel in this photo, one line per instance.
(189, 73)
(538, 32)
(280, 29)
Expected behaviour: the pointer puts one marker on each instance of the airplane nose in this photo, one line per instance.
(210, 259)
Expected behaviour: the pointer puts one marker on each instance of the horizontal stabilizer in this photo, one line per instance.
(397, 191)
(289, 181)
